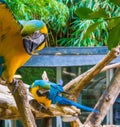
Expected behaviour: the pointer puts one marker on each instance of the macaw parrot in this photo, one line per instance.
(18, 41)
(48, 93)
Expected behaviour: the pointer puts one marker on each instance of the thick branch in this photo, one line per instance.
(76, 85)
(21, 98)
(105, 102)
(8, 108)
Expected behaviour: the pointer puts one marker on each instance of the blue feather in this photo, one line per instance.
(54, 95)
(41, 83)
(64, 101)
(2, 1)
(31, 26)
(1, 65)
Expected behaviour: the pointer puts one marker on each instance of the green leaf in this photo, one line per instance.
(83, 12)
(113, 22)
(116, 2)
(90, 29)
(101, 13)
(114, 37)
(87, 13)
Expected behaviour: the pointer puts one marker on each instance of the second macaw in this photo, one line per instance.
(48, 93)
(18, 41)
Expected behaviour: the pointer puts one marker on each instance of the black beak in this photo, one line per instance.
(31, 44)
(43, 93)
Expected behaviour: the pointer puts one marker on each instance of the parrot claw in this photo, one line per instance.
(16, 84)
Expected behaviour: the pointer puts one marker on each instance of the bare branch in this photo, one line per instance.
(112, 66)
(76, 85)
(21, 99)
(105, 102)
(8, 108)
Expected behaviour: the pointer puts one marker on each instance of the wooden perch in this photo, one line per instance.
(8, 108)
(21, 99)
(76, 85)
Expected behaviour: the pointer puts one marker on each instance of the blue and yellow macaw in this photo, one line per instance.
(18, 41)
(48, 93)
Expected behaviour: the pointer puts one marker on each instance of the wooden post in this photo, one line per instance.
(109, 75)
(58, 77)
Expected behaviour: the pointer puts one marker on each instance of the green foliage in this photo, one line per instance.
(114, 37)
(90, 29)
(83, 12)
(99, 17)
(65, 28)
(116, 2)
(87, 13)
(94, 23)
(55, 14)
(31, 74)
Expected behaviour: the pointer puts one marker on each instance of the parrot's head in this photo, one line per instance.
(41, 87)
(41, 83)
(35, 34)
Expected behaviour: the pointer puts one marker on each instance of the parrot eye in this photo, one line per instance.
(42, 92)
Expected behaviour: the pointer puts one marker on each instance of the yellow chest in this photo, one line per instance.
(41, 99)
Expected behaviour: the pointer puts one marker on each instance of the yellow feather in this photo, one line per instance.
(41, 99)
(11, 43)
(44, 30)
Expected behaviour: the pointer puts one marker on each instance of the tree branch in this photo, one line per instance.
(8, 108)
(76, 85)
(21, 99)
(105, 102)
(112, 66)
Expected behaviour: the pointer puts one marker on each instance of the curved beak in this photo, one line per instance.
(31, 43)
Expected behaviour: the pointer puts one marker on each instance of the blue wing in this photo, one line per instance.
(64, 101)
(55, 90)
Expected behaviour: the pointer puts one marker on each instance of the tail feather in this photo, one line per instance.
(64, 101)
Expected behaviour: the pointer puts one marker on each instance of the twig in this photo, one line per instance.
(112, 66)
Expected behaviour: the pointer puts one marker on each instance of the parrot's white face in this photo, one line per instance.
(32, 42)
(37, 37)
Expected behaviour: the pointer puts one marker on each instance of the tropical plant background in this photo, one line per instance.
(65, 27)
(96, 24)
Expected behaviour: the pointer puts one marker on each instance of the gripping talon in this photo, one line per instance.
(16, 84)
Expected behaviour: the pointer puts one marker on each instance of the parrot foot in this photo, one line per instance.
(16, 84)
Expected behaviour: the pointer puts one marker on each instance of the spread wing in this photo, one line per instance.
(8, 24)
